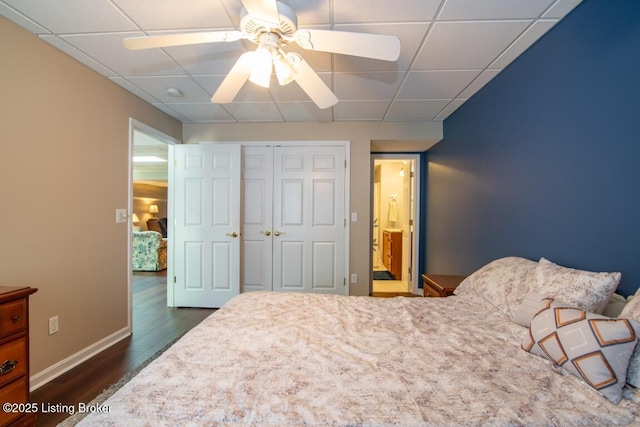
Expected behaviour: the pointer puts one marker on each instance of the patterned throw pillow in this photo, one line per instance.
(587, 290)
(590, 346)
(632, 311)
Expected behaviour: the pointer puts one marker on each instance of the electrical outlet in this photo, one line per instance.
(53, 325)
(354, 278)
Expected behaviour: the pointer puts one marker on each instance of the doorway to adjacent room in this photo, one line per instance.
(395, 225)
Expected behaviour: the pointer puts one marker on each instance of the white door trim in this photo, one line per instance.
(415, 262)
(136, 125)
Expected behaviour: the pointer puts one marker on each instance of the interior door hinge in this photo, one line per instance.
(344, 281)
(174, 279)
(345, 163)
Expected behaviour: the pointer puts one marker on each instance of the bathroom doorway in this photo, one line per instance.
(394, 253)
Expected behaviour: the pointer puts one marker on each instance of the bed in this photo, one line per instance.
(293, 359)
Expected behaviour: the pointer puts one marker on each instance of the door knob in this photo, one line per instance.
(278, 232)
(266, 232)
(234, 234)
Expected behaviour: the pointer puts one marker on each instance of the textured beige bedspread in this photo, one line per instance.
(286, 359)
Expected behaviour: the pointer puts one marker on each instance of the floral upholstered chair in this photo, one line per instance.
(149, 251)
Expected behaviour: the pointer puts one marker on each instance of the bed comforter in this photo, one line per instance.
(289, 359)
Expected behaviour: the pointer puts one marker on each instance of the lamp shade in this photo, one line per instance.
(153, 209)
(134, 218)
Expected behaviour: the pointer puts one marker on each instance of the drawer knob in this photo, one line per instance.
(15, 318)
(8, 366)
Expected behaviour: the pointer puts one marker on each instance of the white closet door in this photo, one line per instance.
(257, 218)
(207, 224)
(309, 221)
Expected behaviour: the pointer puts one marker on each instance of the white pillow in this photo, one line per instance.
(586, 290)
(500, 285)
(615, 306)
(594, 348)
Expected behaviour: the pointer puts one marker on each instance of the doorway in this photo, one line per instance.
(151, 178)
(395, 225)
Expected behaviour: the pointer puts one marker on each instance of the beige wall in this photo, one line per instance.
(64, 132)
(363, 136)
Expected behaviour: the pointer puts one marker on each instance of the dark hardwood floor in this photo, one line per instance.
(154, 326)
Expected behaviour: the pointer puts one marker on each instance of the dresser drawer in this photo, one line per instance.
(15, 392)
(13, 351)
(13, 317)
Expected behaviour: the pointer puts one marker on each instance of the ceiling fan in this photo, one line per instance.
(272, 25)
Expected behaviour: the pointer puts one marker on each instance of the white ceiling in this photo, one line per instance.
(450, 49)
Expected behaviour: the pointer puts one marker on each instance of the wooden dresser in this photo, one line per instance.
(392, 252)
(14, 354)
(442, 285)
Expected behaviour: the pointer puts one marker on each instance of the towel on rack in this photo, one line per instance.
(393, 210)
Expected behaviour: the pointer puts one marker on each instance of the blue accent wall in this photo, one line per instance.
(545, 159)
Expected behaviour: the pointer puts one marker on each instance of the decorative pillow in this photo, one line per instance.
(531, 305)
(632, 311)
(500, 285)
(592, 347)
(615, 306)
(589, 291)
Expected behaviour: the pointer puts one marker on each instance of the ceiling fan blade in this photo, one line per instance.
(147, 42)
(234, 81)
(374, 46)
(264, 10)
(311, 83)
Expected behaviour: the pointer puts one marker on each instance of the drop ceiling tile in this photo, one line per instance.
(72, 16)
(208, 58)
(134, 89)
(254, 111)
(410, 35)
(466, 45)
(493, 9)
(477, 84)
(80, 56)
(415, 110)
(367, 86)
(435, 84)
(311, 12)
(164, 108)
(384, 10)
(200, 14)
(21, 20)
(360, 110)
(449, 109)
(205, 112)
(108, 49)
(157, 86)
(524, 42)
(561, 8)
(304, 111)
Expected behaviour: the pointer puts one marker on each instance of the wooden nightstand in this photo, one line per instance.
(14, 351)
(440, 285)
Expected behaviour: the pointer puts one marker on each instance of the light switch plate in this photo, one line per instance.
(121, 216)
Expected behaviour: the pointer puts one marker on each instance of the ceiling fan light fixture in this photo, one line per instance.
(283, 68)
(261, 68)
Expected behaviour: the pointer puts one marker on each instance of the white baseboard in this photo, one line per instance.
(43, 377)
